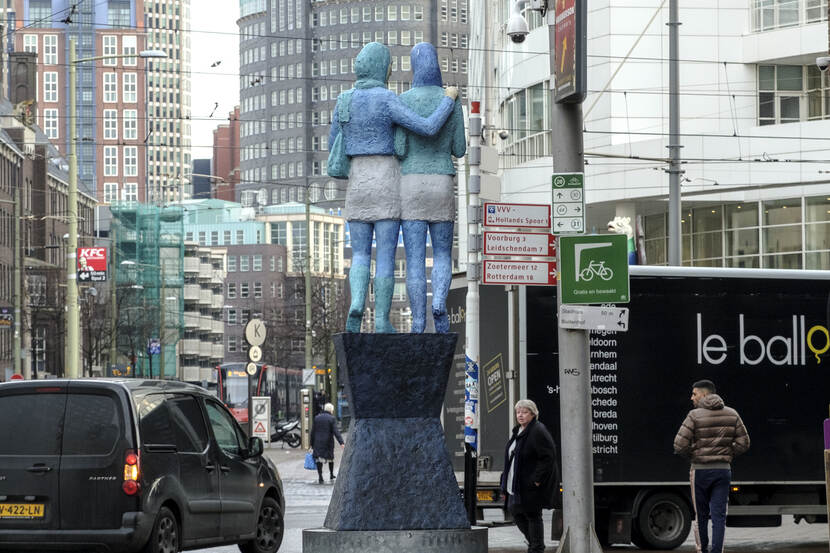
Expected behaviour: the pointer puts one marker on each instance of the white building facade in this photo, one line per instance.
(754, 125)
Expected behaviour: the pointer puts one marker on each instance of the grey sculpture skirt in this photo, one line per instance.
(373, 193)
(427, 198)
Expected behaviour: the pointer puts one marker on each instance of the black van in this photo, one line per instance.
(131, 465)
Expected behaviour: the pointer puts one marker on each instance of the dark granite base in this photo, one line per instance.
(396, 472)
(323, 540)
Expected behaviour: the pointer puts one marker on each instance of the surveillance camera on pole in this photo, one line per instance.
(823, 62)
(517, 27)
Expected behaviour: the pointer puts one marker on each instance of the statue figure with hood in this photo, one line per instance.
(427, 196)
(366, 116)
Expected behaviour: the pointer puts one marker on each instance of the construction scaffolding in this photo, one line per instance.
(148, 252)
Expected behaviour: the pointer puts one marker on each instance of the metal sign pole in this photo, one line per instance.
(574, 371)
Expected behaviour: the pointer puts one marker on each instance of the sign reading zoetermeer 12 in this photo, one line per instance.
(594, 269)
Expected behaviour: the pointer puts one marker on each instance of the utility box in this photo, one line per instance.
(305, 417)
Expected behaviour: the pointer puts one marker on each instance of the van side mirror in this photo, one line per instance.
(255, 447)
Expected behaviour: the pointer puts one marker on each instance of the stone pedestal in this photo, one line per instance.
(395, 490)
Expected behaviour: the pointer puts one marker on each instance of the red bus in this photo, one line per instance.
(280, 384)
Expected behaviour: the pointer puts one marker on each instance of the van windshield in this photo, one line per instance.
(32, 424)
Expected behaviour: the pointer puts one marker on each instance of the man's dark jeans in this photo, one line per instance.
(530, 524)
(710, 494)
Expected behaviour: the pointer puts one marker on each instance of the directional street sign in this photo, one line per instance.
(255, 332)
(591, 317)
(517, 215)
(153, 346)
(541, 273)
(594, 269)
(519, 243)
(568, 203)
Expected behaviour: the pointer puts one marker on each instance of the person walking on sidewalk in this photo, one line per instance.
(323, 433)
(712, 435)
(531, 477)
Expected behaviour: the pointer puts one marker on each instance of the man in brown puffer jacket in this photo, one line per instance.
(712, 435)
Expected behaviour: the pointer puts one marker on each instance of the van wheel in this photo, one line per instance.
(269, 529)
(165, 535)
(664, 521)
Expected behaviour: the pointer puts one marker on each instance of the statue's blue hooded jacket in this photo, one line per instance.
(368, 114)
(429, 155)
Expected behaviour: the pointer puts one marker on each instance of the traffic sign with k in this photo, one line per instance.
(594, 269)
(568, 203)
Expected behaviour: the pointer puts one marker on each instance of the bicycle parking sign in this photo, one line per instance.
(594, 269)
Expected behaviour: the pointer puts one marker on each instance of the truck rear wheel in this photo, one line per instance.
(663, 522)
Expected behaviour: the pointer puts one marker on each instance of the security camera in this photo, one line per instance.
(517, 28)
(823, 62)
(504, 134)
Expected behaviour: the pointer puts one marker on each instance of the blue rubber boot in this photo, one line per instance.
(361, 240)
(414, 240)
(358, 284)
(441, 236)
(384, 286)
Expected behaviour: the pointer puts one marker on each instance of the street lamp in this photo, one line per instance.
(72, 307)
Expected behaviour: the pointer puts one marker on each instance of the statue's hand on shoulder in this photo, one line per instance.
(452, 92)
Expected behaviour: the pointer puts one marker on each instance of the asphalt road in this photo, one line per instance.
(307, 501)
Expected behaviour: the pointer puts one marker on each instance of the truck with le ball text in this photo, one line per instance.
(763, 337)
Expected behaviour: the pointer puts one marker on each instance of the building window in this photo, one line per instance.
(118, 15)
(130, 124)
(232, 339)
(781, 89)
(50, 123)
(240, 236)
(130, 161)
(50, 49)
(231, 263)
(231, 290)
(405, 12)
(244, 263)
(257, 265)
(110, 48)
(110, 192)
(110, 161)
(232, 316)
(110, 87)
(110, 124)
(244, 291)
(131, 192)
(130, 88)
(50, 86)
(128, 47)
(30, 42)
(258, 290)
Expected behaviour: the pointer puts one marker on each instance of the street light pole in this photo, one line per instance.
(308, 278)
(72, 348)
(18, 290)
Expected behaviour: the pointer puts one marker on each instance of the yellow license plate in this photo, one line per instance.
(484, 495)
(21, 510)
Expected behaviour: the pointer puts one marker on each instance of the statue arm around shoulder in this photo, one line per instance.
(407, 118)
(459, 139)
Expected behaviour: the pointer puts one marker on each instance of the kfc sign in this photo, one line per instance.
(92, 264)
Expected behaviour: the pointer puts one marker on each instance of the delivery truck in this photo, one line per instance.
(761, 335)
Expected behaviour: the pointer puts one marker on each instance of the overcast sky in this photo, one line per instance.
(214, 38)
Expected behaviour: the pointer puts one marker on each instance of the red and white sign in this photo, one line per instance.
(519, 243)
(517, 215)
(92, 264)
(541, 273)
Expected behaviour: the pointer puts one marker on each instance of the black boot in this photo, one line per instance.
(319, 473)
(331, 471)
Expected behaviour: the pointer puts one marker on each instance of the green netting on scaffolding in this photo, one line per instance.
(149, 250)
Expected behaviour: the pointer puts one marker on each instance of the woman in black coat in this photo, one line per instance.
(323, 432)
(530, 479)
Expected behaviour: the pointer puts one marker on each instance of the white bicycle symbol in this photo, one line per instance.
(597, 268)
